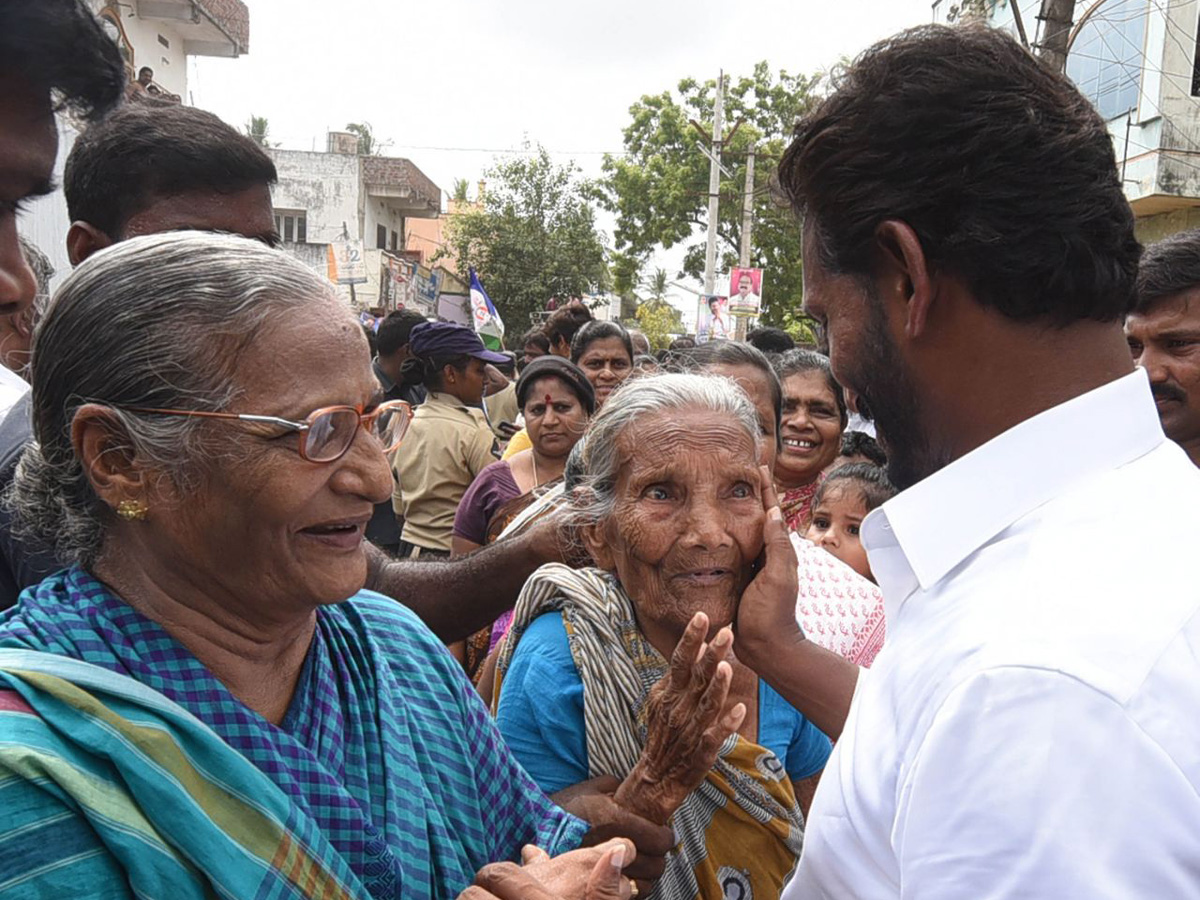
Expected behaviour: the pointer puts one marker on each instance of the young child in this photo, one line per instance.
(839, 506)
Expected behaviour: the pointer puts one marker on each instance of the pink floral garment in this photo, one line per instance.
(836, 607)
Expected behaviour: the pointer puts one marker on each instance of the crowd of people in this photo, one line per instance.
(295, 609)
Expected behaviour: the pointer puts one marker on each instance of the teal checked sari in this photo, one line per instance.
(127, 770)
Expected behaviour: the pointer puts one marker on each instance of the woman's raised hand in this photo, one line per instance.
(688, 719)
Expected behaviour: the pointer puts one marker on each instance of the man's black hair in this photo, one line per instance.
(537, 337)
(155, 149)
(1002, 168)
(564, 322)
(59, 46)
(395, 329)
(771, 340)
(1168, 267)
(859, 443)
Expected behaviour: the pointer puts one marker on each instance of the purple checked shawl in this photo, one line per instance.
(386, 746)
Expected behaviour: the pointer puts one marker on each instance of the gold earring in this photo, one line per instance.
(132, 510)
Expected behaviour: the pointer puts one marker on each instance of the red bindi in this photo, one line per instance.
(549, 401)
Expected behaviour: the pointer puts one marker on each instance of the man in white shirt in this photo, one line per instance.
(1164, 334)
(1030, 728)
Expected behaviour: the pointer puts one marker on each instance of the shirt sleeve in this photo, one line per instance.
(1002, 799)
(480, 450)
(541, 707)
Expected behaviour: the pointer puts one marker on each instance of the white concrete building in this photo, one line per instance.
(162, 34)
(1138, 62)
(322, 197)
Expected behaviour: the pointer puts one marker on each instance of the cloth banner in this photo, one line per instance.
(488, 324)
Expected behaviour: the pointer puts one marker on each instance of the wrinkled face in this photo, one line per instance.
(554, 418)
(246, 212)
(812, 429)
(266, 523)
(606, 363)
(757, 386)
(28, 145)
(836, 523)
(866, 360)
(1165, 341)
(687, 524)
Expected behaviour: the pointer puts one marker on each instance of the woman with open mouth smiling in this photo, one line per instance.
(814, 417)
(206, 702)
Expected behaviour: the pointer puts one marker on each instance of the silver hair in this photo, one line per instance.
(43, 271)
(596, 460)
(161, 322)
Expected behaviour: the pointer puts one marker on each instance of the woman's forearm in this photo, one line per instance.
(816, 681)
(457, 597)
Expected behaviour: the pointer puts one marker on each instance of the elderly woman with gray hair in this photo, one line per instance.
(206, 703)
(627, 670)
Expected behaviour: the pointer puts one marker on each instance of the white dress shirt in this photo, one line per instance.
(1032, 726)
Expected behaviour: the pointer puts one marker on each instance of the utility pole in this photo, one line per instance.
(1056, 17)
(747, 230)
(714, 188)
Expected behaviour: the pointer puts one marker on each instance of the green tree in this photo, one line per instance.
(626, 274)
(658, 189)
(658, 283)
(258, 130)
(367, 145)
(459, 192)
(660, 322)
(533, 238)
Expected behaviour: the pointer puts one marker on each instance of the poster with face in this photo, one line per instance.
(745, 292)
(712, 319)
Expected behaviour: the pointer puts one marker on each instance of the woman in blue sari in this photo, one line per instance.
(194, 707)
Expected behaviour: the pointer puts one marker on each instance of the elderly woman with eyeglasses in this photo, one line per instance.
(206, 704)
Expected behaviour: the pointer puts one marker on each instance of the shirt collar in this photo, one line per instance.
(437, 398)
(942, 520)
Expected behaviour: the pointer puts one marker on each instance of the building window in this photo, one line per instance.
(162, 40)
(381, 237)
(1106, 59)
(395, 240)
(292, 225)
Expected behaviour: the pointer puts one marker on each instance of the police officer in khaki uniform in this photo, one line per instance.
(449, 441)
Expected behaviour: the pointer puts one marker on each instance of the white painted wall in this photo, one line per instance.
(325, 186)
(169, 63)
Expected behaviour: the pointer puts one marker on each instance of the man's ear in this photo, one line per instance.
(103, 448)
(596, 542)
(84, 239)
(902, 274)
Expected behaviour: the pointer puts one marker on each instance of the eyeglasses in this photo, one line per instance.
(327, 433)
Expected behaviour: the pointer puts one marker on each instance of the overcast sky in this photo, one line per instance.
(490, 74)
